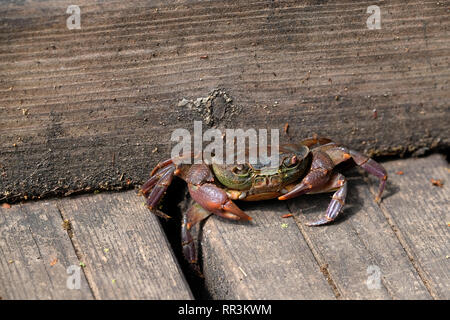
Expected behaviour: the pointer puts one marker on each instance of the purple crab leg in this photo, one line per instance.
(337, 202)
(158, 191)
(372, 167)
(191, 217)
(147, 187)
(160, 165)
(340, 154)
(319, 175)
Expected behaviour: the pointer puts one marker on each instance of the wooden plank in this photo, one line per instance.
(84, 109)
(126, 253)
(359, 248)
(36, 253)
(267, 258)
(419, 214)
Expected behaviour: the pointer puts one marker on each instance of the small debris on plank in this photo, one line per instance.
(284, 225)
(68, 227)
(288, 215)
(53, 262)
(375, 113)
(286, 128)
(204, 57)
(243, 272)
(437, 182)
(6, 206)
(399, 173)
(82, 264)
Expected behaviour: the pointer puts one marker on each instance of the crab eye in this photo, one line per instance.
(241, 169)
(290, 162)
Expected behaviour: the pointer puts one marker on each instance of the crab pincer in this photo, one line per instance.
(215, 200)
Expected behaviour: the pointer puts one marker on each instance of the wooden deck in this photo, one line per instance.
(123, 253)
(91, 110)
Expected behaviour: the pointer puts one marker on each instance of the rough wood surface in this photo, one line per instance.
(35, 254)
(121, 248)
(84, 109)
(367, 242)
(359, 246)
(126, 253)
(265, 259)
(419, 213)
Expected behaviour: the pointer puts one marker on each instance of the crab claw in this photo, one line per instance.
(215, 200)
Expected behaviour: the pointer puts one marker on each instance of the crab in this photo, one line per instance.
(304, 168)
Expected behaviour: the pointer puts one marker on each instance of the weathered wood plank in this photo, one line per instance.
(265, 259)
(419, 213)
(35, 254)
(360, 248)
(125, 251)
(84, 109)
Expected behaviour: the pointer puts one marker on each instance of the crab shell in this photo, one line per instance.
(261, 181)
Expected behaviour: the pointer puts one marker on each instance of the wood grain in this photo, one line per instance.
(35, 254)
(265, 259)
(83, 109)
(125, 251)
(419, 214)
(359, 247)
(118, 245)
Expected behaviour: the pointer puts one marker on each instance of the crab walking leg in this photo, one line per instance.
(372, 167)
(191, 217)
(339, 154)
(161, 165)
(309, 142)
(147, 187)
(338, 182)
(215, 200)
(321, 168)
(158, 191)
